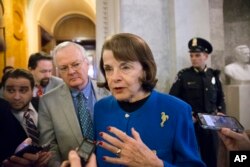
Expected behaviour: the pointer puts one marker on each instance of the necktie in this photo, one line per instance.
(84, 117)
(39, 91)
(31, 128)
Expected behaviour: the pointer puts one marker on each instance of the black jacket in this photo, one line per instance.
(202, 90)
(12, 133)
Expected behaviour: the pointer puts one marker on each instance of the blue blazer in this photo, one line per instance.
(173, 140)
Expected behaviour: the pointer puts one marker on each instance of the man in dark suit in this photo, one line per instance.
(7, 118)
(17, 91)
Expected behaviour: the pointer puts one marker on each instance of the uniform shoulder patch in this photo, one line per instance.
(183, 71)
(179, 74)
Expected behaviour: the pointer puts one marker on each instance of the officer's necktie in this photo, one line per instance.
(39, 91)
(84, 117)
(31, 128)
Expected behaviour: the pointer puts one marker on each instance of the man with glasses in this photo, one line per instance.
(60, 115)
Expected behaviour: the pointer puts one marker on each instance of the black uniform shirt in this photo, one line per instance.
(201, 89)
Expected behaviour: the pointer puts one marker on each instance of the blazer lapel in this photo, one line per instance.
(69, 110)
(50, 85)
(99, 92)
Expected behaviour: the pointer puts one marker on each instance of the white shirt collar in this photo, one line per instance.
(33, 115)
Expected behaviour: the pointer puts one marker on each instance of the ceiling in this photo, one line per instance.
(49, 12)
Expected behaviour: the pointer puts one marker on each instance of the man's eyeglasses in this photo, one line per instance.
(74, 66)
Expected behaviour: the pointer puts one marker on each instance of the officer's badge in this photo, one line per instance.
(194, 42)
(164, 118)
(213, 81)
(190, 83)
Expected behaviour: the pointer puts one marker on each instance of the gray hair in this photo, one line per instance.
(67, 44)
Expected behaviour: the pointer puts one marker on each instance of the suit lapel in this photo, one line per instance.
(69, 111)
(99, 92)
(50, 85)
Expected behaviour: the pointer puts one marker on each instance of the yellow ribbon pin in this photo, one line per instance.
(164, 118)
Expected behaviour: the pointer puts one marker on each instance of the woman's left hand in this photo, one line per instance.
(130, 151)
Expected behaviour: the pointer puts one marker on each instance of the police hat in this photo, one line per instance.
(199, 45)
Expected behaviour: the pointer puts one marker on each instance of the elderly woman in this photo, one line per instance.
(138, 126)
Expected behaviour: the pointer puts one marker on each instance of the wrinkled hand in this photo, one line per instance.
(233, 140)
(131, 151)
(75, 161)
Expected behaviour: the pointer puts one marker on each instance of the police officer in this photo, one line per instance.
(200, 86)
